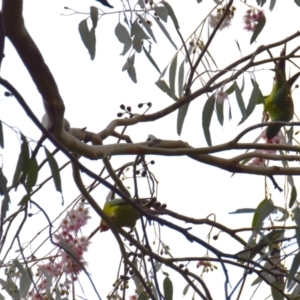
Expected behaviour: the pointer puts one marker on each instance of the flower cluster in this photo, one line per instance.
(277, 139)
(215, 19)
(69, 262)
(251, 19)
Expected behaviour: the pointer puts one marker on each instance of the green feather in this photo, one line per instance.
(279, 104)
(121, 213)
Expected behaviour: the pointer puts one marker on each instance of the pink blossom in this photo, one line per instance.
(221, 97)
(251, 19)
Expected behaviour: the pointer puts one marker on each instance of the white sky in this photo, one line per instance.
(92, 92)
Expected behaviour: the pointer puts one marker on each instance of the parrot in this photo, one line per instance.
(279, 104)
(121, 213)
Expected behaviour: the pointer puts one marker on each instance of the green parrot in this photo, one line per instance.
(279, 104)
(121, 213)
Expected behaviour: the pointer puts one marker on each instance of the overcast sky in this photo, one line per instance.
(93, 91)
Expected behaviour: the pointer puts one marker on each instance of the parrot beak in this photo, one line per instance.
(103, 227)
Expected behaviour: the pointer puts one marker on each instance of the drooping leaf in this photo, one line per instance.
(162, 12)
(185, 290)
(141, 3)
(147, 27)
(180, 80)
(272, 5)
(165, 88)
(151, 60)
(24, 200)
(238, 45)
(293, 270)
(172, 75)
(124, 37)
(1, 136)
(230, 90)
(137, 44)
(182, 111)
(252, 101)
(293, 196)
(220, 112)
(129, 67)
(4, 206)
(94, 15)
(264, 209)
(3, 183)
(25, 280)
(32, 173)
(88, 38)
(171, 13)
(11, 288)
(206, 117)
(137, 30)
(259, 27)
(166, 33)
(168, 288)
(240, 100)
(23, 161)
(54, 170)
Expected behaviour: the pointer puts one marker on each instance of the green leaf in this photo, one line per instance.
(220, 112)
(168, 288)
(1, 136)
(259, 27)
(164, 30)
(3, 183)
(147, 27)
(94, 15)
(206, 117)
(141, 3)
(11, 288)
(123, 36)
(137, 30)
(264, 209)
(272, 5)
(171, 13)
(25, 281)
(54, 170)
(164, 87)
(32, 176)
(180, 80)
(4, 206)
(23, 161)
(88, 38)
(142, 297)
(151, 60)
(185, 290)
(162, 12)
(137, 44)
(293, 197)
(238, 45)
(24, 200)
(129, 67)
(182, 111)
(230, 90)
(240, 101)
(244, 211)
(252, 101)
(293, 270)
(172, 75)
